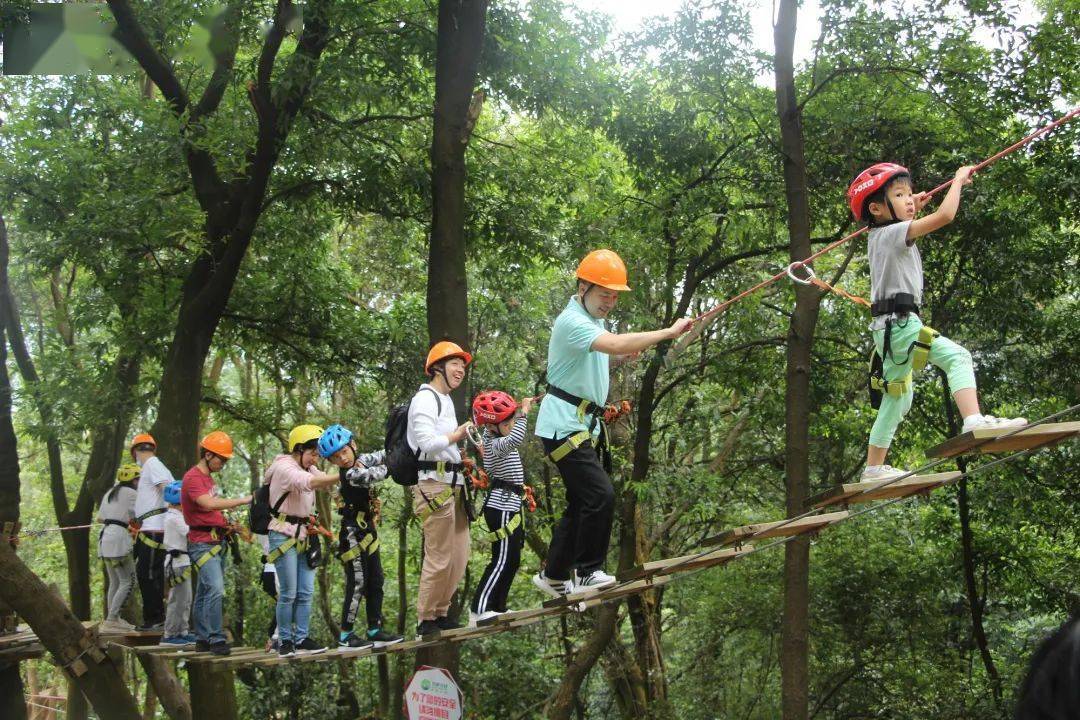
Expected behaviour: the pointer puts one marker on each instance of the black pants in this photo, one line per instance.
(494, 586)
(363, 577)
(580, 539)
(150, 571)
(268, 580)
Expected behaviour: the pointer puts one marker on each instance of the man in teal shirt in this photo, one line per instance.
(569, 423)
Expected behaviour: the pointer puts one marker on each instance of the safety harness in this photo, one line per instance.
(598, 415)
(369, 543)
(141, 535)
(112, 561)
(177, 578)
(918, 353)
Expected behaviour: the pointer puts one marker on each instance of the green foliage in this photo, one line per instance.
(662, 145)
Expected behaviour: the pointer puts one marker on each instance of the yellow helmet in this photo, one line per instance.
(302, 435)
(128, 472)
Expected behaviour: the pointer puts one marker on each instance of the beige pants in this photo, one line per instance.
(446, 550)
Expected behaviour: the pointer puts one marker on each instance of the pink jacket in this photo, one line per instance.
(286, 475)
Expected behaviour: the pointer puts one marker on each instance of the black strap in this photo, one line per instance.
(590, 409)
(118, 523)
(515, 488)
(899, 304)
(596, 412)
(176, 553)
(214, 530)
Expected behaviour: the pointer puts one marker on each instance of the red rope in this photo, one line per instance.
(833, 245)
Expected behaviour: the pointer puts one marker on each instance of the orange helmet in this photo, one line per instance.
(218, 443)
(445, 350)
(143, 439)
(604, 268)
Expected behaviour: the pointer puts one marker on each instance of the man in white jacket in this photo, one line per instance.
(434, 431)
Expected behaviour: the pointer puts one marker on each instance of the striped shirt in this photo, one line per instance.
(502, 462)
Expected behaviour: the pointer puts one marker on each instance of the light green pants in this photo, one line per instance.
(944, 353)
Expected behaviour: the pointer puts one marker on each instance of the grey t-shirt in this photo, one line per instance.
(115, 541)
(895, 266)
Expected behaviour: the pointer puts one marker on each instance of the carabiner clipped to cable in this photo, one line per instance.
(809, 271)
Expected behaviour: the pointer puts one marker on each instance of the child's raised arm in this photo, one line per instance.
(946, 211)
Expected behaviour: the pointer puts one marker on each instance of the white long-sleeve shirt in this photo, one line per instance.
(429, 429)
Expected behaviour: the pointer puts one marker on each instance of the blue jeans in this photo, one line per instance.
(296, 585)
(209, 593)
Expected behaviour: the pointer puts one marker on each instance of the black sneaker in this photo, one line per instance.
(307, 646)
(151, 627)
(220, 648)
(446, 623)
(352, 640)
(427, 627)
(202, 646)
(285, 649)
(381, 638)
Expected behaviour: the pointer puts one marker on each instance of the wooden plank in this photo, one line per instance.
(862, 492)
(1038, 436)
(685, 562)
(622, 591)
(778, 528)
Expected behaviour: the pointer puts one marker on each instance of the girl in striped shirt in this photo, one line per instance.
(503, 424)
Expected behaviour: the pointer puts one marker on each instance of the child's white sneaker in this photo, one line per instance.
(474, 618)
(881, 472)
(595, 580)
(989, 422)
(554, 588)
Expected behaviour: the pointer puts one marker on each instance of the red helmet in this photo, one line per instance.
(492, 406)
(869, 182)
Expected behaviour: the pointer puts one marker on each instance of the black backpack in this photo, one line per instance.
(400, 458)
(260, 513)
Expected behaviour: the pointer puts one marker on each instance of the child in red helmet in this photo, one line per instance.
(503, 427)
(882, 196)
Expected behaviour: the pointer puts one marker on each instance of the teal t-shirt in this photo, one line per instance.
(575, 368)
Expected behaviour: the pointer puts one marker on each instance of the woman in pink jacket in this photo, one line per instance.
(293, 480)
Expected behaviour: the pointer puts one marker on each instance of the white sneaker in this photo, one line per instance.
(553, 588)
(594, 581)
(475, 619)
(118, 625)
(881, 472)
(989, 422)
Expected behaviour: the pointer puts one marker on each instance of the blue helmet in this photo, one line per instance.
(172, 492)
(333, 439)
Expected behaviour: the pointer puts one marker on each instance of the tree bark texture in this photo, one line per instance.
(795, 636)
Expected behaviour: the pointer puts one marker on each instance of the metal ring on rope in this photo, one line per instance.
(474, 437)
(809, 271)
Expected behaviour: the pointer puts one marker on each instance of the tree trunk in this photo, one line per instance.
(213, 696)
(564, 699)
(12, 704)
(168, 688)
(457, 60)
(61, 633)
(795, 636)
(975, 603)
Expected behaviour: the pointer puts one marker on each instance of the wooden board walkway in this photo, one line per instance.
(778, 528)
(863, 492)
(23, 644)
(1034, 437)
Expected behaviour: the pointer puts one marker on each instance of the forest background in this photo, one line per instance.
(273, 239)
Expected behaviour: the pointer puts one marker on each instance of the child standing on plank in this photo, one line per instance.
(114, 545)
(504, 426)
(882, 196)
(177, 572)
(358, 539)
